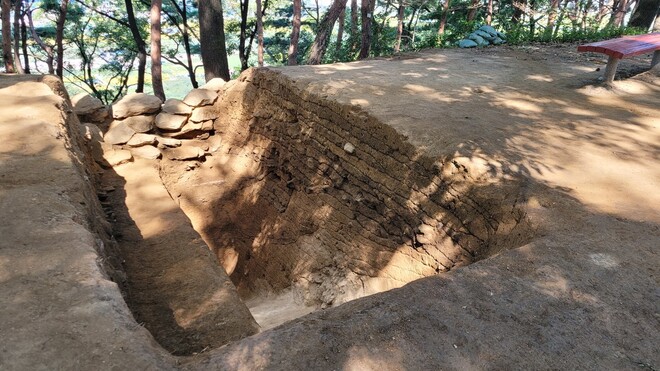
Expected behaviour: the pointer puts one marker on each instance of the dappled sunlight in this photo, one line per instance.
(380, 357)
(429, 93)
(542, 78)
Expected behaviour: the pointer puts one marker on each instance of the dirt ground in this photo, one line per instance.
(584, 294)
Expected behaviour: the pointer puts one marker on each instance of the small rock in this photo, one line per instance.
(118, 133)
(140, 123)
(200, 97)
(215, 143)
(176, 107)
(140, 139)
(214, 84)
(94, 137)
(136, 104)
(184, 153)
(116, 157)
(91, 132)
(168, 142)
(148, 152)
(204, 113)
(349, 148)
(167, 121)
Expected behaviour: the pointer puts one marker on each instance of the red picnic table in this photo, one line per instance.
(625, 47)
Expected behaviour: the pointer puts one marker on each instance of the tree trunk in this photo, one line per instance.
(212, 40)
(552, 17)
(183, 11)
(645, 14)
(17, 36)
(242, 36)
(518, 11)
(26, 58)
(260, 36)
(472, 13)
(354, 25)
(156, 65)
(366, 29)
(443, 19)
(140, 44)
(340, 31)
(399, 27)
(618, 13)
(325, 31)
(560, 19)
(59, 36)
(295, 33)
(585, 13)
(489, 13)
(45, 47)
(7, 56)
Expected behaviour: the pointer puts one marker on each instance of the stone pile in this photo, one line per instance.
(483, 36)
(143, 126)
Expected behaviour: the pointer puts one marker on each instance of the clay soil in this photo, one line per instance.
(583, 294)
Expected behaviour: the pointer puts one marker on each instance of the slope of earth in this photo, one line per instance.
(60, 308)
(582, 294)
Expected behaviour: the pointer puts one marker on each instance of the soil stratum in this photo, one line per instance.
(449, 209)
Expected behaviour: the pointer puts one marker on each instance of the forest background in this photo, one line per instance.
(109, 48)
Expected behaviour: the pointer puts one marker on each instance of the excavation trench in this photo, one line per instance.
(308, 203)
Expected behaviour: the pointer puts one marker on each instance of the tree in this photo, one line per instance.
(212, 40)
(179, 18)
(366, 13)
(59, 36)
(106, 53)
(156, 64)
(24, 46)
(324, 31)
(619, 10)
(443, 20)
(139, 43)
(260, 35)
(645, 13)
(6, 37)
(17, 36)
(295, 34)
(399, 26)
(47, 49)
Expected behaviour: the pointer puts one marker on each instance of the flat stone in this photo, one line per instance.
(204, 113)
(84, 104)
(176, 107)
(167, 121)
(148, 152)
(116, 157)
(215, 84)
(89, 108)
(140, 123)
(168, 142)
(136, 104)
(200, 97)
(191, 130)
(140, 139)
(118, 133)
(184, 153)
(215, 143)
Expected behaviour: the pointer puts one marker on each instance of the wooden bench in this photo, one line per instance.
(625, 47)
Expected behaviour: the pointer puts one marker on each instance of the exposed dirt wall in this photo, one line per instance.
(60, 308)
(309, 193)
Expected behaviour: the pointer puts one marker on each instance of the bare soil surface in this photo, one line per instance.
(174, 287)
(582, 294)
